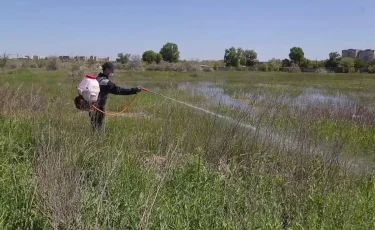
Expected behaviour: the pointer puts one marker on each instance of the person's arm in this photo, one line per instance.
(110, 87)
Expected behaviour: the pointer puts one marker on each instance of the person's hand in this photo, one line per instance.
(139, 89)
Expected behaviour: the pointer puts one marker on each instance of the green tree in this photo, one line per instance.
(274, 64)
(334, 60)
(370, 63)
(305, 63)
(170, 53)
(236, 57)
(158, 58)
(359, 63)
(334, 55)
(230, 57)
(251, 57)
(321, 63)
(348, 64)
(123, 58)
(318, 64)
(286, 63)
(149, 56)
(296, 55)
(241, 58)
(264, 67)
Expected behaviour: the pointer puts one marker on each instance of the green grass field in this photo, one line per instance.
(163, 165)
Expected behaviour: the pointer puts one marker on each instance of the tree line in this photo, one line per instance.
(236, 57)
(168, 53)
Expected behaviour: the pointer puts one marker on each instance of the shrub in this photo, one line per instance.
(274, 64)
(66, 65)
(118, 65)
(321, 71)
(155, 67)
(264, 67)
(3, 61)
(33, 64)
(294, 68)
(79, 70)
(14, 64)
(135, 64)
(41, 63)
(53, 64)
(27, 63)
(208, 69)
(181, 67)
(371, 69)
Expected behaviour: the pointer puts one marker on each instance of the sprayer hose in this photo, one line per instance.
(116, 113)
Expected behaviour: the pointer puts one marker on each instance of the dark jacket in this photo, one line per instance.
(108, 87)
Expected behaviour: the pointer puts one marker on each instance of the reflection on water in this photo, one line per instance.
(214, 94)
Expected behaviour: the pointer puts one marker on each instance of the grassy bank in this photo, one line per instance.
(162, 165)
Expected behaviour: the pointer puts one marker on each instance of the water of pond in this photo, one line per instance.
(310, 97)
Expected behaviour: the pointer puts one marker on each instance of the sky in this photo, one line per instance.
(201, 29)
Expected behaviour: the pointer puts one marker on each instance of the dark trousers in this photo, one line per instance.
(97, 120)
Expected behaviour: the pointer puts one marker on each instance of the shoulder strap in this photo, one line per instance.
(102, 80)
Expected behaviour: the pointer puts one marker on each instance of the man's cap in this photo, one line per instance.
(108, 65)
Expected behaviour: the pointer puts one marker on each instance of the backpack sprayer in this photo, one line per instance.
(88, 92)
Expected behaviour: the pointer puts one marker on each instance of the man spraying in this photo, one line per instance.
(107, 87)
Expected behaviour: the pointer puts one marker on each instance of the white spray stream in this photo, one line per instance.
(207, 111)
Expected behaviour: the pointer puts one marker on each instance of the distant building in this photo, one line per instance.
(64, 58)
(351, 53)
(81, 58)
(366, 55)
(103, 59)
(100, 59)
(36, 57)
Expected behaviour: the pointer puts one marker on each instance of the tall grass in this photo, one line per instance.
(175, 168)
